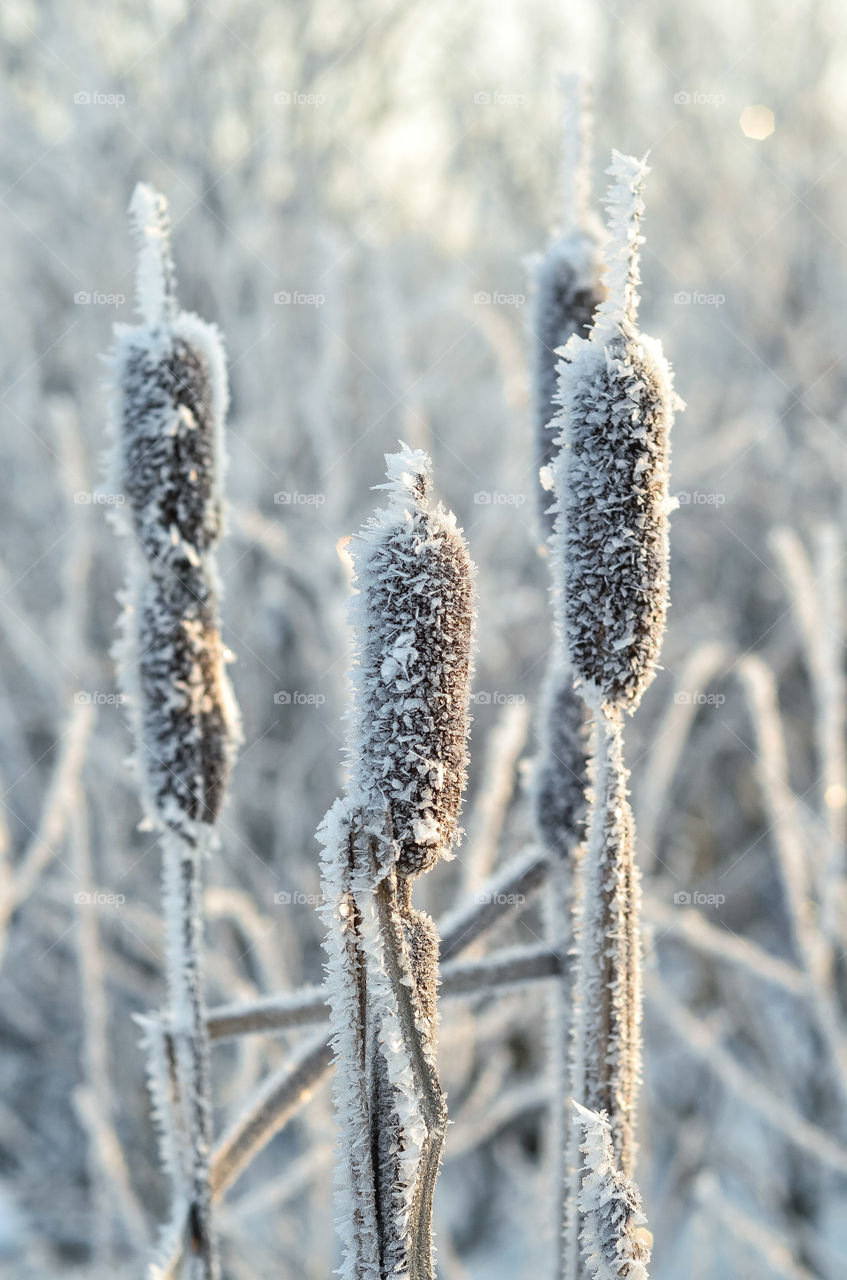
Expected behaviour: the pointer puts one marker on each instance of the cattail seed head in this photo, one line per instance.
(567, 294)
(561, 772)
(413, 620)
(611, 477)
(170, 403)
(186, 708)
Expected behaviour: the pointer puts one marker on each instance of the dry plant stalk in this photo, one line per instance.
(611, 591)
(170, 404)
(408, 745)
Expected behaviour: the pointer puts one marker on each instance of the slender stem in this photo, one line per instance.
(427, 1085)
(184, 921)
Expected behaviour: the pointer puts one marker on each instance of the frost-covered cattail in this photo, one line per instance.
(613, 1243)
(611, 475)
(567, 283)
(170, 402)
(413, 619)
(170, 406)
(567, 293)
(610, 557)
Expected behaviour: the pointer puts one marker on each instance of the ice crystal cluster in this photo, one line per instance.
(171, 399)
(567, 284)
(413, 620)
(611, 475)
(612, 1244)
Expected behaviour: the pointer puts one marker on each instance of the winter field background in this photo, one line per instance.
(356, 191)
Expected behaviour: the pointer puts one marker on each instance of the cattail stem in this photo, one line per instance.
(606, 1060)
(171, 401)
(559, 795)
(411, 999)
(187, 1025)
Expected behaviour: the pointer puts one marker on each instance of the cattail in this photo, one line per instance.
(611, 476)
(413, 618)
(611, 592)
(171, 399)
(171, 403)
(567, 293)
(567, 283)
(408, 746)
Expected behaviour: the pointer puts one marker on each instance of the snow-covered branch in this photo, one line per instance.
(307, 1006)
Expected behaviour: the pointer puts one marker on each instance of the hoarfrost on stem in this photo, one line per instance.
(613, 1245)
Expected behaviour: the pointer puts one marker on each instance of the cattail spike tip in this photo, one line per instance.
(155, 272)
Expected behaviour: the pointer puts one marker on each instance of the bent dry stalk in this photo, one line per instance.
(413, 619)
(611, 594)
(170, 404)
